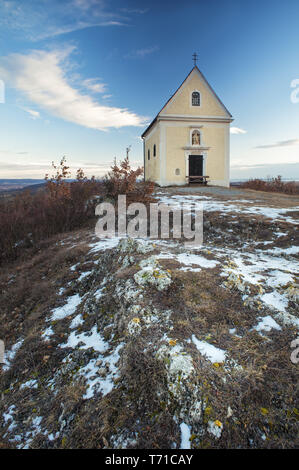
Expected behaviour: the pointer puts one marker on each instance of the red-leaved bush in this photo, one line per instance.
(123, 180)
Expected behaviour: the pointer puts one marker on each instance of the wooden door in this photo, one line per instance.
(195, 165)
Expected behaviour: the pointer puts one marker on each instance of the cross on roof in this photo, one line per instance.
(194, 57)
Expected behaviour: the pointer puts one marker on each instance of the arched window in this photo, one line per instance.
(148, 154)
(177, 171)
(154, 150)
(195, 138)
(195, 98)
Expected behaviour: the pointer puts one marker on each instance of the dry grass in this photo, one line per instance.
(262, 394)
(272, 185)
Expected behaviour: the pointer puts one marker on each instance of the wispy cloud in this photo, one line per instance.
(140, 53)
(282, 143)
(34, 114)
(237, 130)
(41, 77)
(138, 11)
(93, 85)
(42, 19)
(86, 4)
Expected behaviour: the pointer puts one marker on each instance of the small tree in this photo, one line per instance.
(56, 184)
(122, 179)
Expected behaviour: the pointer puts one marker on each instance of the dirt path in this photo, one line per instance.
(259, 197)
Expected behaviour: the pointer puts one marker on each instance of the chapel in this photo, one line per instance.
(189, 139)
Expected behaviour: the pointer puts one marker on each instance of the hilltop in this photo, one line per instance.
(127, 343)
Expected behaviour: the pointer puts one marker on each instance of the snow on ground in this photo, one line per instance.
(212, 353)
(273, 271)
(47, 333)
(104, 383)
(266, 324)
(185, 436)
(275, 300)
(104, 244)
(77, 321)
(189, 260)
(29, 384)
(210, 204)
(100, 372)
(84, 275)
(86, 340)
(10, 354)
(99, 293)
(68, 309)
(273, 275)
(8, 416)
(292, 250)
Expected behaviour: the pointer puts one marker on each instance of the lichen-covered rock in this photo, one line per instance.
(132, 245)
(152, 274)
(235, 281)
(134, 326)
(178, 362)
(292, 292)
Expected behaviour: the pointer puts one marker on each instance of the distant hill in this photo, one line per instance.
(13, 184)
(10, 187)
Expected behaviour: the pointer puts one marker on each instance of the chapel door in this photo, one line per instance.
(195, 165)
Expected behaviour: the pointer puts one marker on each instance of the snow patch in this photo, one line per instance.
(212, 353)
(266, 324)
(86, 340)
(185, 436)
(68, 309)
(10, 355)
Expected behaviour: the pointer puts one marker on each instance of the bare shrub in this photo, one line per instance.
(61, 206)
(273, 185)
(123, 180)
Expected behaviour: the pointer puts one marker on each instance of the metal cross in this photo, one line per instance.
(194, 57)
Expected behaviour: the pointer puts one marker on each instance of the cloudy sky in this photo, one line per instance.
(83, 78)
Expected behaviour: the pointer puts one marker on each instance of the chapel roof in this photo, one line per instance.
(195, 68)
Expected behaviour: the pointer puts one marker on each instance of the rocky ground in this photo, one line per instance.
(149, 344)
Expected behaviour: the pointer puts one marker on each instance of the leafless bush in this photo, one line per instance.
(273, 185)
(123, 180)
(62, 206)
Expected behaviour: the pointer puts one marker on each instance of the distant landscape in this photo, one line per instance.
(18, 184)
(14, 184)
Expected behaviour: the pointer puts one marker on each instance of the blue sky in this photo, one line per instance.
(83, 78)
